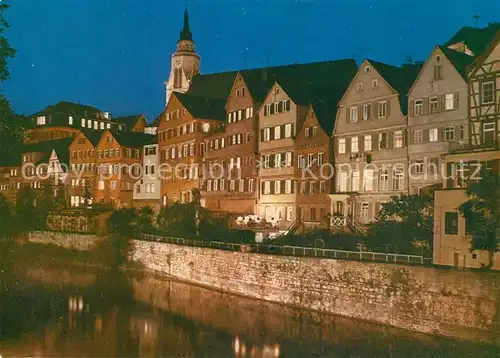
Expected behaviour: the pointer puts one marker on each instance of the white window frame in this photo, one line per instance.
(483, 92)
(267, 187)
(384, 180)
(418, 107)
(418, 136)
(70, 120)
(398, 139)
(267, 134)
(366, 108)
(433, 101)
(288, 130)
(449, 133)
(354, 144)
(277, 132)
(433, 135)
(353, 114)
(364, 210)
(342, 146)
(355, 180)
(368, 176)
(288, 186)
(382, 109)
(321, 159)
(368, 143)
(449, 101)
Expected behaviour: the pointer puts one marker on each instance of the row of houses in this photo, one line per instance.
(317, 144)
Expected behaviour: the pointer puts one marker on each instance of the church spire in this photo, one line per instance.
(185, 34)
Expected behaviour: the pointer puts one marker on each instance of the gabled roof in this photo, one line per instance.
(477, 39)
(134, 139)
(93, 136)
(459, 60)
(129, 121)
(399, 78)
(155, 122)
(202, 107)
(260, 80)
(214, 85)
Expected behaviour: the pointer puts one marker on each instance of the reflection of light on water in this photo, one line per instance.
(75, 304)
(276, 350)
(240, 350)
(237, 346)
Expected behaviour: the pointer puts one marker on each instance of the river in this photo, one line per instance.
(50, 311)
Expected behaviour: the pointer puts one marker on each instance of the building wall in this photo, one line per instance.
(240, 138)
(421, 124)
(463, 305)
(180, 181)
(82, 178)
(148, 188)
(455, 250)
(281, 206)
(122, 194)
(313, 206)
(366, 202)
(486, 70)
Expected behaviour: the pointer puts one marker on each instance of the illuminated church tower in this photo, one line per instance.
(185, 62)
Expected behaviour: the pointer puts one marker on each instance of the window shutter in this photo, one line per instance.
(374, 142)
(293, 186)
(261, 135)
(272, 187)
(347, 144)
(456, 104)
(412, 166)
(405, 139)
(376, 175)
(361, 143)
(360, 113)
(261, 187)
(347, 112)
(282, 131)
(441, 134)
(388, 114)
(390, 140)
(425, 138)
(411, 108)
(369, 110)
(441, 100)
(425, 106)
(375, 109)
(282, 186)
(271, 160)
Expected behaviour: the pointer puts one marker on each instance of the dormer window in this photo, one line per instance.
(438, 58)
(367, 69)
(83, 122)
(40, 121)
(70, 120)
(375, 83)
(276, 90)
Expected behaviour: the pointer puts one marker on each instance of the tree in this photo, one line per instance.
(11, 130)
(482, 213)
(122, 222)
(145, 219)
(404, 223)
(27, 213)
(6, 216)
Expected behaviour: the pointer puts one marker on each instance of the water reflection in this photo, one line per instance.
(117, 315)
(264, 351)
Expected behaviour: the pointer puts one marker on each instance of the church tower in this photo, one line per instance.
(185, 62)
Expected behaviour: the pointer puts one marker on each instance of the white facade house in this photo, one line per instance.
(148, 187)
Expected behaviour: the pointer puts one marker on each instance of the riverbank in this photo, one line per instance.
(463, 305)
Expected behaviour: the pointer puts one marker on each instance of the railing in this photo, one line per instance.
(292, 229)
(295, 250)
(338, 221)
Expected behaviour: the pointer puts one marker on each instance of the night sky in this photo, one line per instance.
(115, 54)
